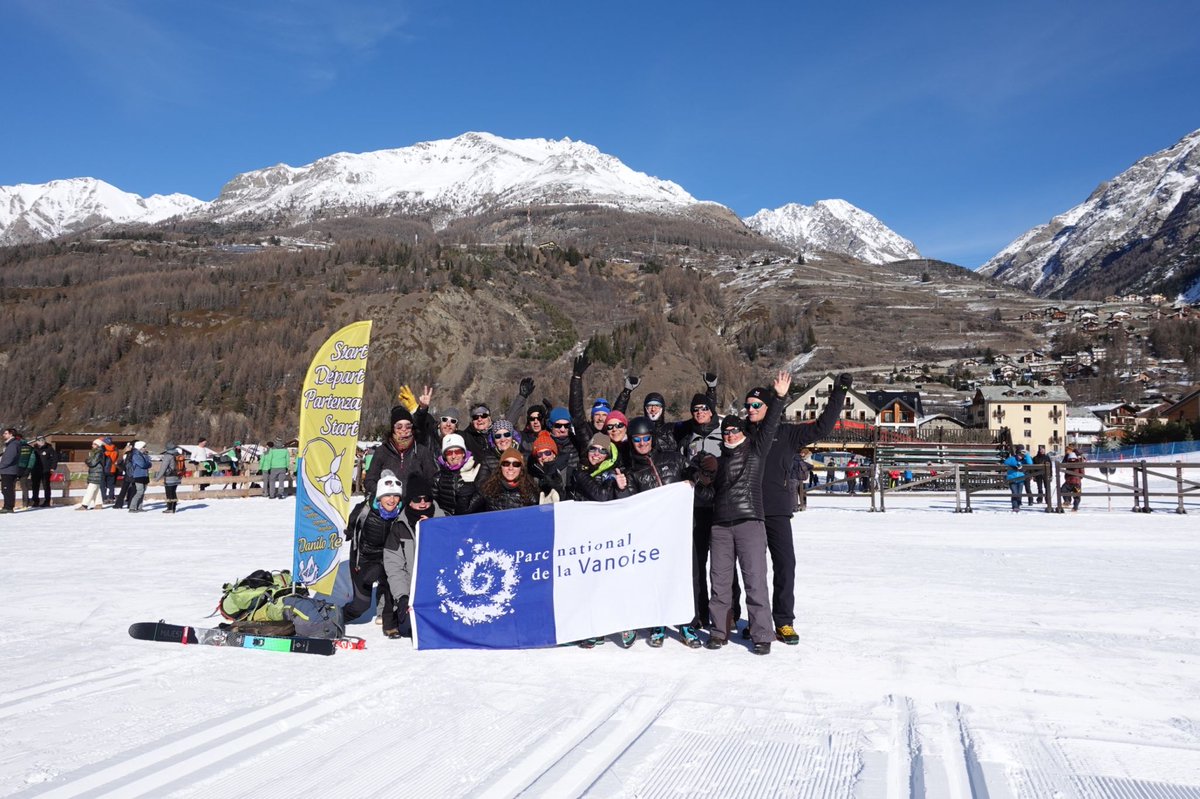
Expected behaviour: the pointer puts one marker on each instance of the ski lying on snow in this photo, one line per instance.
(212, 636)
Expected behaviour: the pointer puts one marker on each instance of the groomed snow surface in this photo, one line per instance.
(942, 655)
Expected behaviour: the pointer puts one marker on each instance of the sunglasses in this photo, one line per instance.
(562, 425)
(545, 453)
(614, 426)
(402, 426)
(481, 416)
(511, 464)
(701, 409)
(755, 405)
(730, 432)
(449, 420)
(501, 434)
(597, 450)
(534, 418)
(642, 439)
(419, 500)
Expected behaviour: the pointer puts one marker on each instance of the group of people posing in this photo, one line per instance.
(743, 468)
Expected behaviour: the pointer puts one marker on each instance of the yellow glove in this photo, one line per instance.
(407, 398)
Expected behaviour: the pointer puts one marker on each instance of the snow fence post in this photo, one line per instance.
(1179, 486)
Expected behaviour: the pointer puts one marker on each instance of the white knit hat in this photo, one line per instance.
(388, 486)
(454, 440)
(139, 445)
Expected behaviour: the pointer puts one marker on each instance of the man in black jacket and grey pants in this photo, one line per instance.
(739, 535)
(779, 497)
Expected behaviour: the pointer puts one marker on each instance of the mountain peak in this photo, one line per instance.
(835, 226)
(1132, 232)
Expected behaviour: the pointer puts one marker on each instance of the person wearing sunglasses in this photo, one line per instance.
(375, 525)
(616, 428)
(502, 438)
(458, 477)
(548, 470)
(653, 408)
(432, 428)
(739, 535)
(535, 423)
(510, 486)
(650, 468)
(779, 493)
(700, 435)
(559, 420)
(477, 433)
(400, 453)
(591, 423)
(400, 550)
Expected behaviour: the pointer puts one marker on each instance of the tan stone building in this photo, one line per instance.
(1034, 415)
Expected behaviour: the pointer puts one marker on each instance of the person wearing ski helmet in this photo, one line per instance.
(653, 408)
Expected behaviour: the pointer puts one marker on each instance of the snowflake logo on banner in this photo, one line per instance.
(483, 586)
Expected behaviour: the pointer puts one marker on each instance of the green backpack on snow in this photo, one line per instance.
(269, 603)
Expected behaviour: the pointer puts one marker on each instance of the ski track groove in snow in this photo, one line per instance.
(71, 689)
(152, 769)
(700, 749)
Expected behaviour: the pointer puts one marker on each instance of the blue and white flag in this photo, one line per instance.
(553, 574)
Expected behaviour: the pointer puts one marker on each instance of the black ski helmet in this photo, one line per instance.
(640, 426)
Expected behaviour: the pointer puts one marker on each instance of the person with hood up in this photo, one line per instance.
(376, 525)
(653, 408)
(458, 477)
(739, 535)
(400, 453)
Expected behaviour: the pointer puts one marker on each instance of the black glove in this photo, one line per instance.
(632, 382)
(581, 365)
(526, 387)
(845, 380)
(710, 379)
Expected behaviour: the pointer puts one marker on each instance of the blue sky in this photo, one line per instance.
(959, 125)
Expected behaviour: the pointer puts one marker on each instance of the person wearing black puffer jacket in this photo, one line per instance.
(370, 531)
(400, 453)
(653, 407)
(510, 486)
(739, 535)
(779, 497)
(457, 480)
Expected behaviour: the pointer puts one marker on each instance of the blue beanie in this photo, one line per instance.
(559, 415)
(601, 404)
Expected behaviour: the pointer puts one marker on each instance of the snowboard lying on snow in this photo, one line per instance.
(212, 636)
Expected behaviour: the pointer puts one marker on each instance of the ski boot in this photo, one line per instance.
(657, 634)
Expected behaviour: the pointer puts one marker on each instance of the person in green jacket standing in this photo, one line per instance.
(274, 466)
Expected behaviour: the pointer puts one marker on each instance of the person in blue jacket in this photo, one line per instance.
(1015, 462)
(139, 471)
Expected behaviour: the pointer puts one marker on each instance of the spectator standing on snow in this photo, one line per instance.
(1015, 477)
(47, 462)
(170, 471)
(97, 462)
(1072, 486)
(1040, 480)
(10, 468)
(138, 474)
(739, 534)
(274, 466)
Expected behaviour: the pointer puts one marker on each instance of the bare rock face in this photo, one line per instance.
(1136, 232)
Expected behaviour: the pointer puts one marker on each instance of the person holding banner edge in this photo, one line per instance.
(739, 536)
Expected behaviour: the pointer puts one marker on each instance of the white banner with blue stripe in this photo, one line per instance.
(554, 574)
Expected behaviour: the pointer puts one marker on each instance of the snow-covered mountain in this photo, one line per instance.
(37, 212)
(833, 226)
(468, 174)
(1136, 232)
(471, 174)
